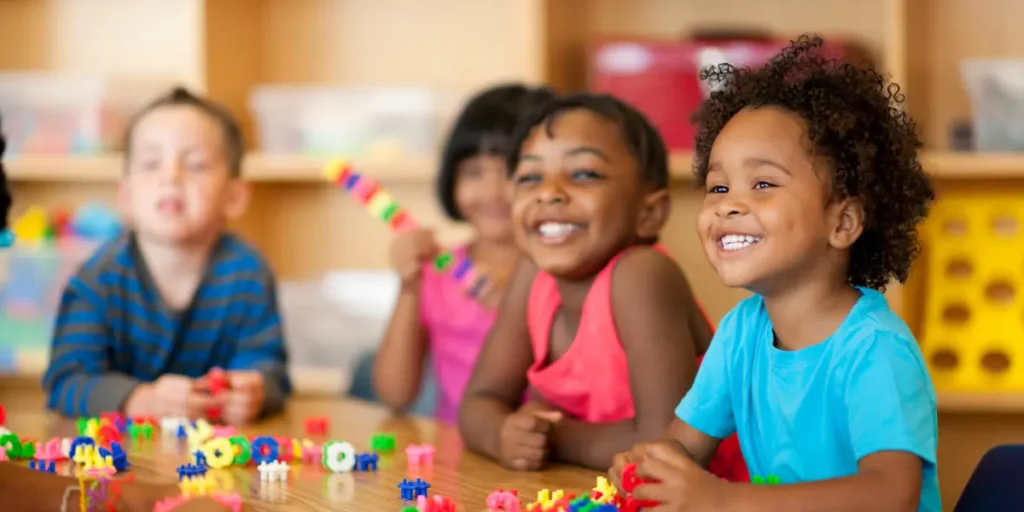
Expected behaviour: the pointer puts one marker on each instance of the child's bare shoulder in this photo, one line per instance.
(647, 270)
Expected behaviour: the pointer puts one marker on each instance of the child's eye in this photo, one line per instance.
(763, 185)
(197, 166)
(586, 174)
(148, 165)
(523, 178)
(718, 189)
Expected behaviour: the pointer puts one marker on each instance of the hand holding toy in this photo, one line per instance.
(383, 206)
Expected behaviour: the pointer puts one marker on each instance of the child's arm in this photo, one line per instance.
(79, 381)
(891, 419)
(398, 367)
(499, 378)
(650, 296)
(261, 348)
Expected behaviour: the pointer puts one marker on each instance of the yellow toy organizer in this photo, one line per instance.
(973, 324)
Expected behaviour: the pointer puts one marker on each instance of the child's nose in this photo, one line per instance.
(731, 207)
(551, 193)
(173, 174)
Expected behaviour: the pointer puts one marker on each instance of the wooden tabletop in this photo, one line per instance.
(462, 476)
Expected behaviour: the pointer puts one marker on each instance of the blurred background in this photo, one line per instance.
(378, 82)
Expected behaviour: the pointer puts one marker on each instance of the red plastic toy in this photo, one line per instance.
(629, 482)
(3, 416)
(316, 425)
(218, 383)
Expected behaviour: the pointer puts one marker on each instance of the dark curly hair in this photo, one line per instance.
(5, 194)
(853, 119)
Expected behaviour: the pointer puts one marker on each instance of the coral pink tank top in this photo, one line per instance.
(591, 380)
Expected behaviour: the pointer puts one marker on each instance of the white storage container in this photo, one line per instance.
(996, 89)
(45, 114)
(330, 322)
(349, 122)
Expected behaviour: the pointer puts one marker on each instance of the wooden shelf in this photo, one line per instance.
(257, 167)
(973, 166)
(297, 169)
(994, 403)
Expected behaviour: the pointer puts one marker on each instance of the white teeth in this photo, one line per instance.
(557, 229)
(737, 242)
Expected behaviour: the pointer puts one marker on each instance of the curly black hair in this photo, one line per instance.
(853, 119)
(5, 194)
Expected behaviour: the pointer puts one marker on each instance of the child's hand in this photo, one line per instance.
(244, 400)
(682, 484)
(524, 437)
(169, 395)
(409, 251)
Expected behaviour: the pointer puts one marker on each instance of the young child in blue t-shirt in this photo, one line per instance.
(813, 193)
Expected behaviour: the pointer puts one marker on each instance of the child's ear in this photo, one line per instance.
(848, 223)
(239, 193)
(654, 214)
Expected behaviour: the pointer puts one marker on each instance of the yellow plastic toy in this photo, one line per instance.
(973, 319)
(219, 452)
(197, 485)
(606, 491)
(547, 500)
(32, 225)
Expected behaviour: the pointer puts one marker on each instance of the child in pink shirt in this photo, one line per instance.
(600, 325)
(434, 314)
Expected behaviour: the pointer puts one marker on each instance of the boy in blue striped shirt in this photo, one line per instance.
(153, 311)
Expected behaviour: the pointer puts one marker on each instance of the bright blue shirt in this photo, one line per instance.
(811, 414)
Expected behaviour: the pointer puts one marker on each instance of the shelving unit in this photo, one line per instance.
(226, 47)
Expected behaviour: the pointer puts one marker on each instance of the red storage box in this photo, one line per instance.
(662, 78)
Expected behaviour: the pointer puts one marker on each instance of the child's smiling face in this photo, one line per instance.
(767, 218)
(578, 195)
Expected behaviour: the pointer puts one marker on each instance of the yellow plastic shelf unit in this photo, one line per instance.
(974, 311)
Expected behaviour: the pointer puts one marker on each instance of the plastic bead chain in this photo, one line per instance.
(382, 205)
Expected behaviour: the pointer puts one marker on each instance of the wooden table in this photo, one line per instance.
(464, 477)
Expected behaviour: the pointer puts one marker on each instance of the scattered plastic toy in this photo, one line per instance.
(367, 461)
(218, 452)
(264, 449)
(316, 426)
(190, 471)
(420, 454)
(42, 465)
(339, 456)
(501, 500)
(276, 471)
(242, 449)
(434, 504)
(382, 443)
(410, 490)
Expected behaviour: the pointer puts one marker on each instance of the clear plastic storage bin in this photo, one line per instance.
(32, 279)
(44, 113)
(331, 322)
(351, 122)
(996, 89)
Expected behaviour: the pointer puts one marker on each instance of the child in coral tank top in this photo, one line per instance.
(599, 325)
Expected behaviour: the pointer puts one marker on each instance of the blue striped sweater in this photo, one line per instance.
(113, 330)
